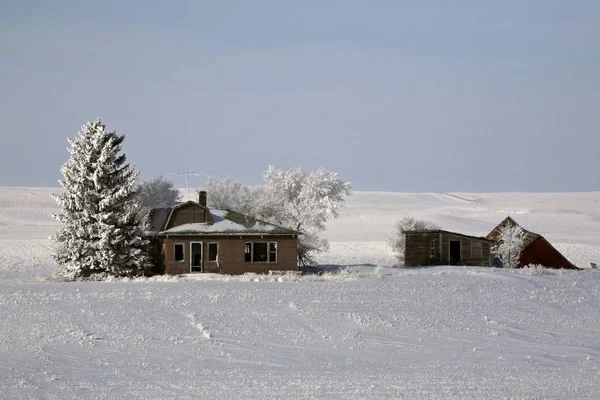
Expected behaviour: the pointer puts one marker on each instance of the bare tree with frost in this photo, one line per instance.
(304, 201)
(295, 199)
(102, 234)
(229, 194)
(155, 193)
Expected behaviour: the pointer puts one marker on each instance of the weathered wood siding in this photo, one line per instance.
(417, 250)
(473, 251)
(433, 248)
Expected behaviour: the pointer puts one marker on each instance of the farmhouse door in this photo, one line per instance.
(454, 252)
(196, 257)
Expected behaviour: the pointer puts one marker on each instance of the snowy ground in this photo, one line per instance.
(372, 332)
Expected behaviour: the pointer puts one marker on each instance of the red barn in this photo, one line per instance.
(536, 249)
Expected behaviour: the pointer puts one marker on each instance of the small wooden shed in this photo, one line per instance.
(439, 247)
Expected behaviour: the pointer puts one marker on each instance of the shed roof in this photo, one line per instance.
(449, 232)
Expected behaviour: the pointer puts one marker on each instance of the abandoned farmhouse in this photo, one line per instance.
(189, 237)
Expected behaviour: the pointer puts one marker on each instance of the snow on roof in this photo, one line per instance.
(230, 222)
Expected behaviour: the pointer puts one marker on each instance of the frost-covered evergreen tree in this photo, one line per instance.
(510, 245)
(102, 233)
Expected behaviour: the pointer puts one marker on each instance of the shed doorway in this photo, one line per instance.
(195, 256)
(454, 252)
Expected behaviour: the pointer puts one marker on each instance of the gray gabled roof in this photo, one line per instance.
(226, 222)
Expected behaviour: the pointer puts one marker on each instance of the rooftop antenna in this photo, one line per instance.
(187, 179)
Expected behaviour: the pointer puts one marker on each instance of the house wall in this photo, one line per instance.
(189, 214)
(418, 249)
(540, 251)
(230, 254)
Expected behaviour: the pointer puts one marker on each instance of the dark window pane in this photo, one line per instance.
(178, 252)
(212, 251)
(260, 252)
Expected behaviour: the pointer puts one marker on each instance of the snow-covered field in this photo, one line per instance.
(371, 332)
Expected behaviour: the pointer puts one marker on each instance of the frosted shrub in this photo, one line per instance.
(510, 245)
(535, 269)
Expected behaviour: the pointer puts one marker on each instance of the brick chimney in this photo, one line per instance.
(202, 198)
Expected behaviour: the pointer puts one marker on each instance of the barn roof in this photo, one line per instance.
(528, 238)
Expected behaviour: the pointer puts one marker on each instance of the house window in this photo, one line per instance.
(432, 248)
(260, 252)
(213, 251)
(179, 252)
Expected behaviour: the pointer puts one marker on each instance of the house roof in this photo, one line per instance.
(185, 203)
(158, 218)
(449, 232)
(226, 222)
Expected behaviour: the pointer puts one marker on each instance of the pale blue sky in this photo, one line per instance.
(394, 95)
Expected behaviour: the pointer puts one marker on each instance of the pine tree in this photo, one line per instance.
(102, 233)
